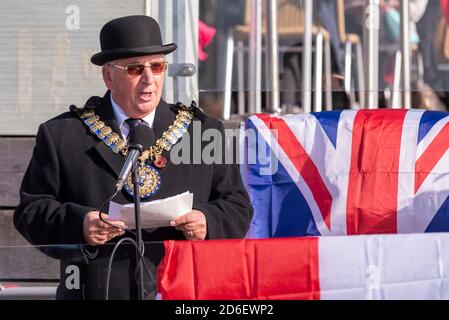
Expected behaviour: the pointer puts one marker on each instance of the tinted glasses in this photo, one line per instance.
(136, 69)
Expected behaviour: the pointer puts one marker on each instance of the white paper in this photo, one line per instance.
(154, 214)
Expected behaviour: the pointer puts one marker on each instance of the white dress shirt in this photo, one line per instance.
(120, 116)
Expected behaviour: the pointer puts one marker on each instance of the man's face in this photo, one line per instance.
(137, 95)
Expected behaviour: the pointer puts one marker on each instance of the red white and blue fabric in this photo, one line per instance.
(348, 172)
(343, 267)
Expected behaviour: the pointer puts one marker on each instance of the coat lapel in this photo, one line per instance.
(106, 114)
(163, 119)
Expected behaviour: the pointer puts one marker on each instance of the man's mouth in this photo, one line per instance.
(146, 95)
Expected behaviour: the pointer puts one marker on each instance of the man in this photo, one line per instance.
(79, 155)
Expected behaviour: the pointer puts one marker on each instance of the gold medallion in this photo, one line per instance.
(150, 182)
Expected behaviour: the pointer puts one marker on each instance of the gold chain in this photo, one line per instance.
(117, 144)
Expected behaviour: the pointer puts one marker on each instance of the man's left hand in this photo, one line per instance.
(192, 224)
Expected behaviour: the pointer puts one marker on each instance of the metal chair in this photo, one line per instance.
(290, 27)
(350, 41)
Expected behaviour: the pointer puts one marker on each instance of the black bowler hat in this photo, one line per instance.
(130, 36)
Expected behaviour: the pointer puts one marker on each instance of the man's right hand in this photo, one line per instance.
(96, 232)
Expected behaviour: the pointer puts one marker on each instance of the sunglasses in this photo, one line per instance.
(136, 69)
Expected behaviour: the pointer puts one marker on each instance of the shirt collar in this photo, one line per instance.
(121, 116)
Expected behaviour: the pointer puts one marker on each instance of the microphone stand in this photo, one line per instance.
(136, 182)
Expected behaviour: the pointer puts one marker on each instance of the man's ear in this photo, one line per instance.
(107, 77)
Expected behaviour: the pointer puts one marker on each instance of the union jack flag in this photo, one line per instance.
(348, 172)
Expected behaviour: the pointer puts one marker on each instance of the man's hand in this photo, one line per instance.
(192, 224)
(97, 232)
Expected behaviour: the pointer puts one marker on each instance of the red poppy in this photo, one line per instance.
(160, 162)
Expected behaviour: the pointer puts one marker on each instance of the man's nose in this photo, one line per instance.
(147, 75)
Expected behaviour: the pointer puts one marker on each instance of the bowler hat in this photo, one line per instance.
(130, 36)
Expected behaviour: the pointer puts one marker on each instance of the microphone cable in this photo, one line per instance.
(107, 222)
(111, 257)
(142, 261)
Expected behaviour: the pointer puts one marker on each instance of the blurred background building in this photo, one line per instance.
(47, 44)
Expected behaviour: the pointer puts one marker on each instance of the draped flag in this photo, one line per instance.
(348, 172)
(343, 267)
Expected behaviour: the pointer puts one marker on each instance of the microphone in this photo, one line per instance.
(141, 138)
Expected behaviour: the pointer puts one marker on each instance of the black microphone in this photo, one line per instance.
(141, 138)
